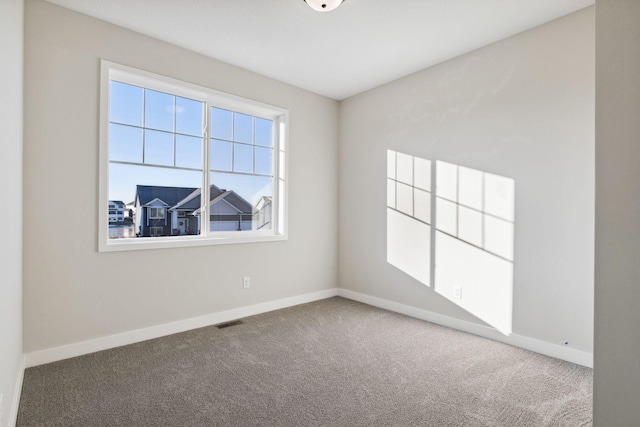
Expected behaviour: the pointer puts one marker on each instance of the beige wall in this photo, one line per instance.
(522, 108)
(617, 273)
(73, 293)
(11, 46)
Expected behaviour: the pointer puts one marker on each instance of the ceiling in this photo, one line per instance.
(360, 45)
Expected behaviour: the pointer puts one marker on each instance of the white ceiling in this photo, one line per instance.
(360, 45)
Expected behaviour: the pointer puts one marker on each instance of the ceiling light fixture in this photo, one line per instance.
(323, 5)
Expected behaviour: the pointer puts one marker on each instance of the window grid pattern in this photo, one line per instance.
(145, 120)
(473, 206)
(168, 134)
(409, 186)
(233, 135)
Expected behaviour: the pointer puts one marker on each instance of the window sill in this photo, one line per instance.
(145, 243)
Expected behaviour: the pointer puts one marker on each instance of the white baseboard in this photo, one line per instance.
(548, 349)
(15, 403)
(90, 346)
(85, 347)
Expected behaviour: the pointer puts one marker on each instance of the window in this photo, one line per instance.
(156, 213)
(156, 231)
(167, 147)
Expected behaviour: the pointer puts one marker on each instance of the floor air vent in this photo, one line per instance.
(229, 324)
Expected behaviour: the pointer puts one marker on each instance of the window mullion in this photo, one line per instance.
(144, 115)
(206, 176)
(275, 171)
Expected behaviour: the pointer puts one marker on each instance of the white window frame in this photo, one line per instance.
(212, 98)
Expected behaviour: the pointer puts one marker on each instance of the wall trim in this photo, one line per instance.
(543, 347)
(55, 354)
(17, 392)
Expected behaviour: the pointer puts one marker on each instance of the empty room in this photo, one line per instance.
(419, 213)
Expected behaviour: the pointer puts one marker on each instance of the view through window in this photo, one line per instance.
(167, 143)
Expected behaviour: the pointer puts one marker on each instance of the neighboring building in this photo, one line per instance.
(262, 213)
(228, 211)
(174, 211)
(116, 211)
(130, 209)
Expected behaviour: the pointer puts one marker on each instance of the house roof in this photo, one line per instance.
(188, 198)
(157, 202)
(117, 202)
(236, 201)
(170, 195)
(216, 194)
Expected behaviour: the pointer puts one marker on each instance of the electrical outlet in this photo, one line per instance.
(457, 292)
(246, 282)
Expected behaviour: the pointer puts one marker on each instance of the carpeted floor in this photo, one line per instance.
(329, 363)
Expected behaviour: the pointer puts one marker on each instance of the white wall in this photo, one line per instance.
(73, 293)
(522, 108)
(617, 276)
(11, 46)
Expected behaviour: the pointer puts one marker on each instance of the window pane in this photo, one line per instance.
(221, 155)
(221, 124)
(242, 158)
(188, 152)
(158, 110)
(125, 143)
(188, 116)
(264, 130)
(158, 148)
(171, 194)
(125, 104)
(248, 205)
(242, 128)
(263, 160)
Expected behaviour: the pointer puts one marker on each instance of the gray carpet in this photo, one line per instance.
(329, 363)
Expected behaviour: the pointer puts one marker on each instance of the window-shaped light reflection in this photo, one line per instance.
(470, 225)
(409, 215)
(474, 242)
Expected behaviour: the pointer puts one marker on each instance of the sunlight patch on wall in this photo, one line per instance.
(474, 233)
(474, 242)
(409, 215)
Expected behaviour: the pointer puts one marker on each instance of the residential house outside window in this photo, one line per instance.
(168, 146)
